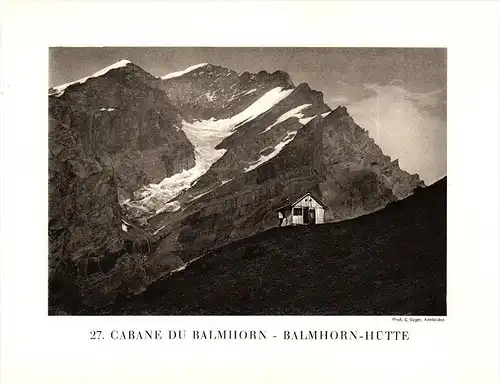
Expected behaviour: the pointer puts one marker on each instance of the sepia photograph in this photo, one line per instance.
(247, 181)
(255, 191)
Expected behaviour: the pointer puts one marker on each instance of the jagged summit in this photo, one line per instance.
(207, 69)
(58, 91)
(278, 75)
(183, 72)
(340, 111)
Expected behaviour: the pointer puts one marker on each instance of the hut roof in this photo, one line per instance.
(291, 203)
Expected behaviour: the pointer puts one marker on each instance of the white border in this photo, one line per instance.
(36, 348)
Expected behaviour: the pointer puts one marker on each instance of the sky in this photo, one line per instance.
(397, 94)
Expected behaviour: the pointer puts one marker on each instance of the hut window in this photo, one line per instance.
(297, 211)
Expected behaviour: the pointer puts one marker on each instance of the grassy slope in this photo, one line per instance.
(392, 262)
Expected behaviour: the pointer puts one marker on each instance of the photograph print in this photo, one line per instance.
(247, 181)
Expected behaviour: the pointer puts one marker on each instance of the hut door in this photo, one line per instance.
(305, 214)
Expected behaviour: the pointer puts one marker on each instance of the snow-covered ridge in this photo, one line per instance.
(182, 72)
(58, 91)
(205, 135)
(264, 158)
(295, 112)
(305, 120)
(325, 114)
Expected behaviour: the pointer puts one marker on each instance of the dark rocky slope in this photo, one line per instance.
(392, 262)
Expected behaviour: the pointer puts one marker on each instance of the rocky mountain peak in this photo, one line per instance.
(199, 72)
(123, 70)
(279, 77)
(313, 95)
(339, 111)
(206, 91)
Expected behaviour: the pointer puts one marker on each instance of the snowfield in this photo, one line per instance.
(295, 112)
(289, 137)
(325, 114)
(305, 120)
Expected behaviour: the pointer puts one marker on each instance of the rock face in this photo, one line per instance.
(84, 214)
(359, 178)
(123, 115)
(189, 163)
(108, 136)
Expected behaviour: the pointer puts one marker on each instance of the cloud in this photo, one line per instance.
(397, 92)
(402, 124)
(336, 101)
(427, 99)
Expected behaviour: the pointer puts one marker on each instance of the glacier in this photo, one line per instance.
(205, 135)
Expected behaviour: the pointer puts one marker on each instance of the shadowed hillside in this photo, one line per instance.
(392, 262)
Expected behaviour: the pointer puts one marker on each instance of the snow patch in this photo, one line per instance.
(305, 120)
(263, 104)
(211, 190)
(210, 96)
(202, 194)
(183, 267)
(170, 206)
(183, 72)
(58, 91)
(125, 225)
(107, 109)
(249, 92)
(295, 112)
(156, 231)
(290, 136)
